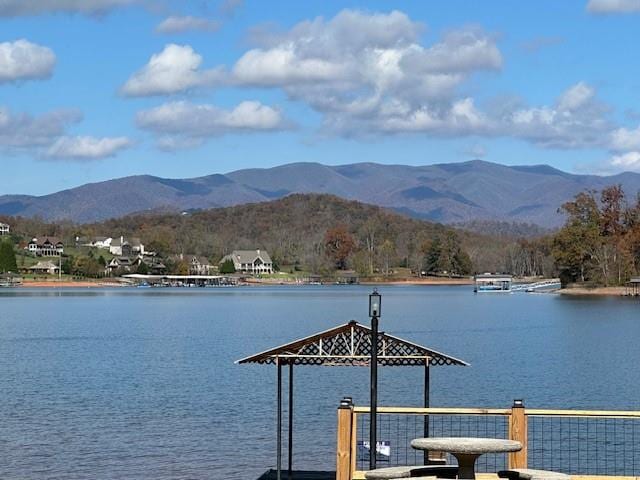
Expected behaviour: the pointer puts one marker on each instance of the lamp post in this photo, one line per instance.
(375, 300)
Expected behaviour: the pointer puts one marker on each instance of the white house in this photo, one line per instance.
(250, 261)
(198, 265)
(99, 242)
(121, 246)
(46, 246)
(4, 229)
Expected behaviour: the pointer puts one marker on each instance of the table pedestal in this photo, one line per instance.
(466, 465)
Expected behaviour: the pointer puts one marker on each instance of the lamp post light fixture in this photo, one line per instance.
(375, 301)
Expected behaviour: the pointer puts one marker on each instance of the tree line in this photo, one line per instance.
(304, 232)
(600, 241)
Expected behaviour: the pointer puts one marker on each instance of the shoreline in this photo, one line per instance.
(429, 282)
(593, 291)
(253, 282)
(68, 284)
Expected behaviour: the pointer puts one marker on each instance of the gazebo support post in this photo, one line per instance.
(290, 446)
(373, 412)
(279, 422)
(426, 405)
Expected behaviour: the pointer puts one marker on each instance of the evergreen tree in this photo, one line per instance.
(67, 265)
(227, 267)
(431, 262)
(143, 269)
(445, 255)
(7, 257)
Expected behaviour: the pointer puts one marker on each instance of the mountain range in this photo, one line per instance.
(447, 193)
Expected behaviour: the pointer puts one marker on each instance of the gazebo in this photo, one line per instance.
(344, 345)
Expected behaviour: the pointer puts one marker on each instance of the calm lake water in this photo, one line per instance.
(141, 383)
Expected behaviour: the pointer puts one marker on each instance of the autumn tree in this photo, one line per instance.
(338, 245)
(575, 245)
(369, 234)
(387, 250)
(597, 242)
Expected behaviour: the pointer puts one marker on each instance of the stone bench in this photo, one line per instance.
(422, 471)
(531, 474)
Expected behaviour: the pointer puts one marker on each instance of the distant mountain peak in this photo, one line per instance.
(473, 190)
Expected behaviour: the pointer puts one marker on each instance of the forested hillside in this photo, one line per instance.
(310, 232)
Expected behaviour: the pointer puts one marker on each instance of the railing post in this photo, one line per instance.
(518, 432)
(343, 455)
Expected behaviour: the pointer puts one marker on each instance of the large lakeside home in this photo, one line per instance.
(4, 229)
(250, 261)
(99, 242)
(45, 246)
(197, 265)
(124, 247)
(131, 264)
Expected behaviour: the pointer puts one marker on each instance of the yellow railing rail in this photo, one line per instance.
(435, 411)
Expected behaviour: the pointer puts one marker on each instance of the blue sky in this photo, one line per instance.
(97, 89)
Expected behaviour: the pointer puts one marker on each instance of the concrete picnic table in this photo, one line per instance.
(466, 450)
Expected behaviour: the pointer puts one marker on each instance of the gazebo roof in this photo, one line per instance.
(350, 344)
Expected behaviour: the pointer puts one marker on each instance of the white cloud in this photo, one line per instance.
(22, 131)
(181, 124)
(368, 72)
(176, 69)
(459, 51)
(462, 118)
(624, 139)
(87, 148)
(45, 136)
(12, 8)
(180, 24)
(23, 60)
(626, 161)
(576, 97)
(613, 6)
(576, 120)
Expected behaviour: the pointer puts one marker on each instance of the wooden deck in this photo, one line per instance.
(310, 475)
(299, 475)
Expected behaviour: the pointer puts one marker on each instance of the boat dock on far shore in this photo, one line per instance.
(183, 280)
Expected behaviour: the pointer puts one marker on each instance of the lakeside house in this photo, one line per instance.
(198, 265)
(250, 261)
(126, 247)
(99, 242)
(45, 267)
(119, 264)
(128, 265)
(4, 229)
(45, 246)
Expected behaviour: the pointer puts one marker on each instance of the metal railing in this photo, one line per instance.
(578, 442)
